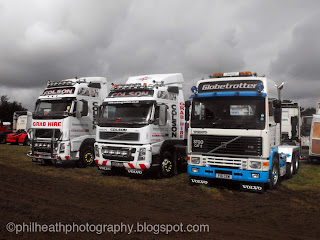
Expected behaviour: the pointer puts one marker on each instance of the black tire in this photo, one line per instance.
(167, 165)
(274, 174)
(289, 169)
(86, 157)
(295, 163)
(2, 139)
(47, 162)
(26, 141)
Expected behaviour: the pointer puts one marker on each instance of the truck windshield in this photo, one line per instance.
(116, 114)
(228, 113)
(52, 108)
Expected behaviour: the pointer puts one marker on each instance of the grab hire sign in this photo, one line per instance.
(224, 86)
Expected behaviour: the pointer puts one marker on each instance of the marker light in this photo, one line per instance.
(245, 73)
(217, 75)
(260, 87)
(194, 89)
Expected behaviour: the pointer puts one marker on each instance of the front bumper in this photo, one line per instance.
(229, 174)
(12, 140)
(51, 153)
(137, 158)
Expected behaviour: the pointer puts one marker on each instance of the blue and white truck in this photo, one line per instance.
(235, 133)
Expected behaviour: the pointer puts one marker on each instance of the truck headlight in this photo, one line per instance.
(195, 160)
(255, 165)
(62, 147)
(142, 154)
(96, 151)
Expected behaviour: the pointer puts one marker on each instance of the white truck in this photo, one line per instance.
(305, 131)
(141, 126)
(21, 123)
(291, 122)
(318, 108)
(235, 133)
(63, 128)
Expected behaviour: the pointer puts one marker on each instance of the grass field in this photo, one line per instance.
(47, 194)
(308, 178)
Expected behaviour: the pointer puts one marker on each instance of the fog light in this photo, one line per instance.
(255, 175)
(194, 169)
(124, 153)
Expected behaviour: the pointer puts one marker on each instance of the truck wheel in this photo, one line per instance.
(274, 174)
(26, 141)
(289, 169)
(47, 162)
(167, 165)
(309, 160)
(86, 156)
(295, 163)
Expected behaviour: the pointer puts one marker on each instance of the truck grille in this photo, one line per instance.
(47, 133)
(118, 153)
(126, 136)
(227, 145)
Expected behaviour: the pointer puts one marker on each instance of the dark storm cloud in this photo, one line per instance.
(300, 59)
(298, 63)
(55, 39)
(58, 39)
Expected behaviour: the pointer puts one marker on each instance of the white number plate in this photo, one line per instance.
(224, 176)
(116, 164)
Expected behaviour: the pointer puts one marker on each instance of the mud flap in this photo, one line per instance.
(199, 181)
(252, 187)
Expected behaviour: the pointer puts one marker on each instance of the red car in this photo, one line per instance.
(19, 137)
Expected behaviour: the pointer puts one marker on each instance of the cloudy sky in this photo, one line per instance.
(60, 39)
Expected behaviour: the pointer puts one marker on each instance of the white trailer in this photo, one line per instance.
(290, 122)
(22, 120)
(314, 148)
(305, 131)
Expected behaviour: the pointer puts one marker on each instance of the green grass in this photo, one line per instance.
(307, 179)
(14, 156)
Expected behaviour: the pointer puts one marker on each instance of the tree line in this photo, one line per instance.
(7, 108)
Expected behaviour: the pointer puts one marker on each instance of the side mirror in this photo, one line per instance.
(277, 103)
(82, 108)
(186, 110)
(277, 115)
(163, 115)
